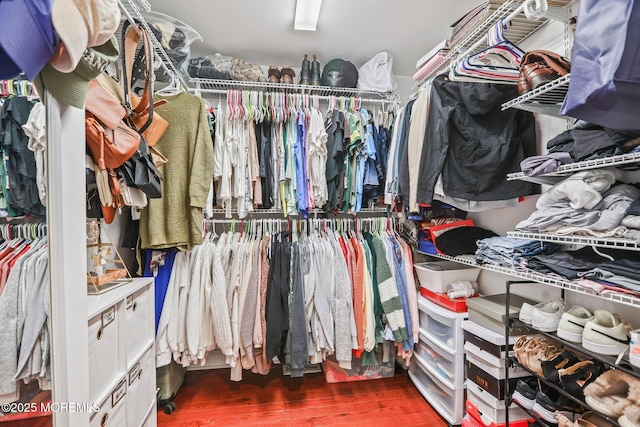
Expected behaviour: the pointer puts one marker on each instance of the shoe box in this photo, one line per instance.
(490, 312)
(476, 418)
(485, 363)
(488, 341)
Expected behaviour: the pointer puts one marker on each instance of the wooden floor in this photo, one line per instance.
(209, 398)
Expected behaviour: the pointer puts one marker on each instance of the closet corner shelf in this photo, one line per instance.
(220, 86)
(520, 29)
(564, 170)
(617, 297)
(545, 99)
(131, 7)
(611, 242)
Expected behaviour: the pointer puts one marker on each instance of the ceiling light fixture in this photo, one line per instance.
(307, 13)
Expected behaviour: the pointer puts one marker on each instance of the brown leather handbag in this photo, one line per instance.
(108, 137)
(539, 67)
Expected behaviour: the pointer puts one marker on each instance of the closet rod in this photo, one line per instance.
(320, 97)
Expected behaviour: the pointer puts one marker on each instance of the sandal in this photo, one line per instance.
(579, 375)
(556, 362)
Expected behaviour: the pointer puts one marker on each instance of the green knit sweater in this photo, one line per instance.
(175, 220)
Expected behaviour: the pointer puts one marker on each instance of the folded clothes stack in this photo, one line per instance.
(587, 203)
(510, 252)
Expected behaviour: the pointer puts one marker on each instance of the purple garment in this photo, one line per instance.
(539, 165)
(302, 183)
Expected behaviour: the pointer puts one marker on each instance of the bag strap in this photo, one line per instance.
(131, 35)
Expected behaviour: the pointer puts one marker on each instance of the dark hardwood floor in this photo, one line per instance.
(209, 398)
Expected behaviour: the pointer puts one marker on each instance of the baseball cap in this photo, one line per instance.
(81, 24)
(27, 37)
(71, 88)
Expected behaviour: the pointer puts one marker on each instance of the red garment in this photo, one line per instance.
(358, 295)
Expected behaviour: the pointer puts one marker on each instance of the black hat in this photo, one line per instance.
(462, 240)
(339, 73)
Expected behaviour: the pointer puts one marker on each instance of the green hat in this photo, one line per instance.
(71, 88)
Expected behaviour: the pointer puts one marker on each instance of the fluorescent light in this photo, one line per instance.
(307, 12)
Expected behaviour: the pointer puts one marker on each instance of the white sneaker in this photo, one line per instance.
(634, 348)
(526, 312)
(547, 317)
(607, 333)
(572, 323)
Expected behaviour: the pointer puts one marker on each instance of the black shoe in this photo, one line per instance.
(526, 390)
(560, 361)
(549, 401)
(579, 375)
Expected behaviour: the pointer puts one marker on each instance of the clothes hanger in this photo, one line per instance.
(173, 88)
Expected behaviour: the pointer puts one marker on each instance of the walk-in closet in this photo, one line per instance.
(319, 213)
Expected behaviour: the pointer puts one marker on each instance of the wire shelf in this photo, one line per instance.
(520, 29)
(546, 99)
(617, 243)
(617, 297)
(314, 212)
(620, 160)
(220, 86)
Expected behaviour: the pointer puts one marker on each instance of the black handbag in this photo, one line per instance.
(140, 171)
(93, 197)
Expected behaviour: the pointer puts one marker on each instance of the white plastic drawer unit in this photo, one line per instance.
(140, 330)
(113, 410)
(448, 367)
(140, 389)
(441, 326)
(449, 403)
(105, 350)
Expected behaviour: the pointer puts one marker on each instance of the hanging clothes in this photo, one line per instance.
(175, 220)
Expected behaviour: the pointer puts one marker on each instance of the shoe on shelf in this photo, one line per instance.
(556, 362)
(607, 334)
(526, 312)
(612, 392)
(579, 375)
(550, 401)
(634, 348)
(315, 72)
(547, 317)
(572, 323)
(588, 419)
(288, 74)
(274, 74)
(525, 393)
(305, 71)
(531, 350)
(631, 417)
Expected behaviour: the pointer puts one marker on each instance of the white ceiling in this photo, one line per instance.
(261, 31)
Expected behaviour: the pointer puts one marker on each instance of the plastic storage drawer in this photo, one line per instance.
(141, 389)
(113, 410)
(447, 367)
(435, 276)
(449, 403)
(488, 341)
(106, 352)
(441, 326)
(140, 327)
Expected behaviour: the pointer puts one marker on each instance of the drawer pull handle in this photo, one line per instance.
(103, 421)
(135, 306)
(100, 333)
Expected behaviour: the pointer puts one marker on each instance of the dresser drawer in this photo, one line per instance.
(106, 352)
(113, 410)
(441, 326)
(449, 368)
(139, 317)
(141, 381)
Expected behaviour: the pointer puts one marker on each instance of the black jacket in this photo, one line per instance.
(473, 143)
